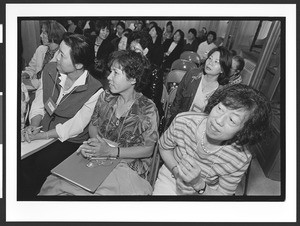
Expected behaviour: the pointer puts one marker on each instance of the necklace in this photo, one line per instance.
(204, 148)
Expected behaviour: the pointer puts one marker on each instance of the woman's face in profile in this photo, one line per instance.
(223, 123)
(117, 79)
(44, 35)
(104, 32)
(212, 64)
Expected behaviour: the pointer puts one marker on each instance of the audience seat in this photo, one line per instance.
(183, 65)
(191, 56)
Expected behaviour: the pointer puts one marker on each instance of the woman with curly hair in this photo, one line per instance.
(124, 116)
(207, 153)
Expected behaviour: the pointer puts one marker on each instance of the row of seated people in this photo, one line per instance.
(199, 149)
(160, 56)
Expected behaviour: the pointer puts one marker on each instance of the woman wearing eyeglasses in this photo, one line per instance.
(207, 153)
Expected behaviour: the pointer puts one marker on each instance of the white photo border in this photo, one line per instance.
(150, 211)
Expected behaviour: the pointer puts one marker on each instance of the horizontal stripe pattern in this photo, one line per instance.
(223, 170)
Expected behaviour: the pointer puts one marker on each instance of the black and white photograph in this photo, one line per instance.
(150, 112)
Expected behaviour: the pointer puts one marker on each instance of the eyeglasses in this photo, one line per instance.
(99, 161)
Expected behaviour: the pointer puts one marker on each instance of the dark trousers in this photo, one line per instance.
(33, 170)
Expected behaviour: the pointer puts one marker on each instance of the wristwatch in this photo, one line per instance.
(202, 190)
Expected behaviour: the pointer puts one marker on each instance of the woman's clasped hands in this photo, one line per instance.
(189, 174)
(94, 147)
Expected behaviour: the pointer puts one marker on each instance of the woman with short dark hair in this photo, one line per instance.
(191, 43)
(126, 118)
(207, 153)
(63, 106)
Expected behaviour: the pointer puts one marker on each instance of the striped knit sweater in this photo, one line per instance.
(223, 170)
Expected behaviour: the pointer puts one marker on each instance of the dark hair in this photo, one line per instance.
(141, 37)
(152, 23)
(122, 24)
(101, 24)
(242, 96)
(193, 31)
(169, 23)
(81, 49)
(159, 33)
(127, 32)
(225, 63)
(233, 52)
(55, 31)
(241, 62)
(213, 34)
(181, 42)
(135, 66)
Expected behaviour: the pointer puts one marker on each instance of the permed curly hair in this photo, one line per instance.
(242, 96)
(134, 64)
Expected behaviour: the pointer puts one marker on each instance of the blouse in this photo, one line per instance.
(139, 127)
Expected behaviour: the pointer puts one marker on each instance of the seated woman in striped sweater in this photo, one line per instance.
(206, 153)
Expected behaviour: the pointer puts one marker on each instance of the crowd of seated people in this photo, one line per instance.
(117, 72)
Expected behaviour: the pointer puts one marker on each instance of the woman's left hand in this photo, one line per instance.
(94, 147)
(189, 170)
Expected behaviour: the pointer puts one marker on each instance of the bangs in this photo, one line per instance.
(239, 103)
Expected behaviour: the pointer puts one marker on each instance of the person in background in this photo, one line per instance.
(102, 46)
(202, 37)
(140, 25)
(126, 117)
(205, 47)
(199, 84)
(208, 153)
(237, 66)
(73, 26)
(191, 43)
(168, 32)
(173, 48)
(89, 28)
(117, 37)
(51, 35)
(156, 49)
(123, 41)
(63, 106)
(140, 41)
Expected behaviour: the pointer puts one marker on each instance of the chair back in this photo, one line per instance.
(183, 65)
(191, 56)
(175, 76)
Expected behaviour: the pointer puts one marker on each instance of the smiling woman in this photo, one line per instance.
(213, 159)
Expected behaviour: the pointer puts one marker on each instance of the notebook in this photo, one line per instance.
(75, 169)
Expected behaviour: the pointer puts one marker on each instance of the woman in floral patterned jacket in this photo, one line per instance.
(126, 117)
(199, 84)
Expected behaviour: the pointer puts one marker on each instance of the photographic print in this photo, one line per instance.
(155, 109)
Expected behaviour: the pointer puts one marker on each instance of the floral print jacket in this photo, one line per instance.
(139, 127)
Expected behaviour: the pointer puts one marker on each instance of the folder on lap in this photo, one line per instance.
(75, 169)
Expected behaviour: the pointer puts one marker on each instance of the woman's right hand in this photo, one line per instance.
(28, 131)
